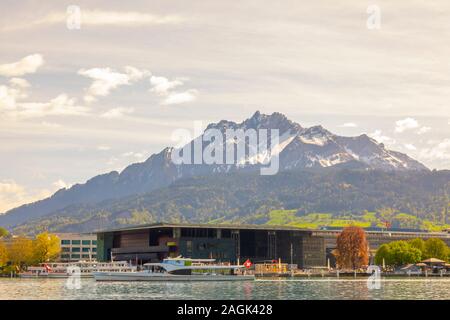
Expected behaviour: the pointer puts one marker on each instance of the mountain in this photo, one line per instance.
(298, 148)
(290, 197)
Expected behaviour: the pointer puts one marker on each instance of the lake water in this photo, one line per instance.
(409, 288)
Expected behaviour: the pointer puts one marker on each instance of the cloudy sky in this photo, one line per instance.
(79, 97)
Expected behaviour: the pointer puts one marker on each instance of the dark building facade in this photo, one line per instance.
(230, 243)
(221, 242)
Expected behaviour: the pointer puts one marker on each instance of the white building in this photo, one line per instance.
(78, 246)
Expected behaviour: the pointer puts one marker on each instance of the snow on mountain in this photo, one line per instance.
(298, 148)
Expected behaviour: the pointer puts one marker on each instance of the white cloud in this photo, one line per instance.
(162, 85)
(107, 79)
(130, 18)
(8, 97)
(406, 124)
(410, 147)
(134, 74)
(60, 184)
(440, 151)
(423, 130)
(19, 83)
(62, 105)
(101, 18)
(13, 195)
(349, 125)
(378, 136)
(180, 97)
(117, 113)
(10, 94)
(10, 187)
(137, 155)
(29, 64)
(11, 104)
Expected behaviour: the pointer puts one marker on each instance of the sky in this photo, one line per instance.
(87, 87)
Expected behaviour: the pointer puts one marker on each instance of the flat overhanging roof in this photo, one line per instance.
(207, 226)
(267, 228)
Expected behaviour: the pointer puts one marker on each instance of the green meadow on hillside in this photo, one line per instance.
(368, 219)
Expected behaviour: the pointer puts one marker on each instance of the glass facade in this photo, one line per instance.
(77, 246)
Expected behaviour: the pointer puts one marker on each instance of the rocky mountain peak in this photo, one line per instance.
(298, 149)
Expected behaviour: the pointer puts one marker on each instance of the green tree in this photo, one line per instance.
(382, 254)
(435, 248)
(398, 253)
(419, 244)
(3, 232)
(46, 247)
(401, 252)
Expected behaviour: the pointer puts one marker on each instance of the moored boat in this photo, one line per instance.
(84, 269)
(180, 269)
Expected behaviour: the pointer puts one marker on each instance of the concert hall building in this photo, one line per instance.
(230, 243)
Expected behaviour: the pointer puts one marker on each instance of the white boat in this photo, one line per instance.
(84, 269)
(180, 269)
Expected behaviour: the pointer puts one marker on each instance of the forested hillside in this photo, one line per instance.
(407, 199)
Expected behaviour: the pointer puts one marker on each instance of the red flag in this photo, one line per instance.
(248, 264)
(47, 268)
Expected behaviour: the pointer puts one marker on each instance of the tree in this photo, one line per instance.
(352, 248)
(46, 247)
(3, 232)
(3, 254)
(401, 252)
(20, 251)
(382, 254)
(398, 253)
(418, 243)
(435, 248)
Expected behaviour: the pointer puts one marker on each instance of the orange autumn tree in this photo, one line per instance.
(352, 250)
